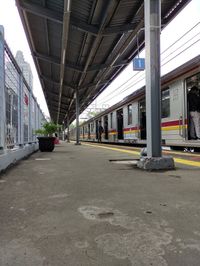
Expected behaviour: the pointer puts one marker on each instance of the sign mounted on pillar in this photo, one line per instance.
(138, 64)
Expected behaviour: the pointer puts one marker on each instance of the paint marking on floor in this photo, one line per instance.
(177, 160)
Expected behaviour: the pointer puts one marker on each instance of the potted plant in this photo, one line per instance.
(46, 138)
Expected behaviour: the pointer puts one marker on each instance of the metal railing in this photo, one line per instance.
(20, 114)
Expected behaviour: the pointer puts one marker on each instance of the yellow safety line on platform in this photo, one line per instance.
(114, 149)
(167, 151)
(172, 152)
(177, 160)
(182, 153)
(187, 162)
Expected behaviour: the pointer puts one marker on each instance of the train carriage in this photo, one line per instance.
(125, 122)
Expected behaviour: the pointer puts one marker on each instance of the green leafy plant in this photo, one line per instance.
(48, 129)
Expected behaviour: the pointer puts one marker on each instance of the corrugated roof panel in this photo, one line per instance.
(55, 38)
(45, 67)
(90, 51)
(107, 45)
(125, 12)
(57, 5)
(38, 2)
(81, 9)
(55, 72)
(37, 27)
(76, 41)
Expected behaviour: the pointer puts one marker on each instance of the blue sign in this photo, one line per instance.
(138, 64)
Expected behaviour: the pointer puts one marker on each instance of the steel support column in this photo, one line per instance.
(2, 93)
(77, 118)
(68, 129)
(63, 132)
(153, 94)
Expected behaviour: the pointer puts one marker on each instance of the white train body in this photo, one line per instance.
(125, 122)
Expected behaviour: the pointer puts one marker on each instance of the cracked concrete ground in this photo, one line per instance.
(74, 207)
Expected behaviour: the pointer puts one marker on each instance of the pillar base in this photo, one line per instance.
(156, 163)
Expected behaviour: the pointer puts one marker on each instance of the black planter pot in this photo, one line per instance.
(46, 143)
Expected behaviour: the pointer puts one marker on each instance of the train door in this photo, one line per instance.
(92, 130)
(89, 131)
(120, 124)
(142, 119)
(105, 127)
(96, 126)
(192, 105)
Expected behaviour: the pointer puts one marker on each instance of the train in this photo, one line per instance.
(125, 122)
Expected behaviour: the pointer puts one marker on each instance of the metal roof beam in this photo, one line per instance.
(56, 94)
(119, 29)
(82, 26)
(93, 30)
(47, 79)
(41, 11)
(94, 84)
(55, 111)
(102, 25)
(56, 60)
(50, 59)
(106, 12)
(102, 66)
(54, 104)
(64, 105)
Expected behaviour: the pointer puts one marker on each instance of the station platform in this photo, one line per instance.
(88, 204)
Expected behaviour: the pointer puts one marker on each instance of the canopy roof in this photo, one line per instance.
(85, 48)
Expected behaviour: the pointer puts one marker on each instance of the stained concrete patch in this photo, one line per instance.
(42, 159)
(125, 162)
(58, 196)
(82, 244)
(20, 252)
(50, 223)
(193, 245)
(96, 213)
(144, 245)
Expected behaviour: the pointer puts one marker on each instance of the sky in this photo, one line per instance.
(16, 39)
(128, 81)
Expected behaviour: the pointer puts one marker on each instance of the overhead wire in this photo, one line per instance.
(128, 86)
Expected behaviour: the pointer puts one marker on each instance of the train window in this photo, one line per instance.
(193, 81)
(165, 103)
(130, 114)
(92, 127)
(111, 120)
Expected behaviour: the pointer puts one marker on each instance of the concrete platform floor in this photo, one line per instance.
(74, 207)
